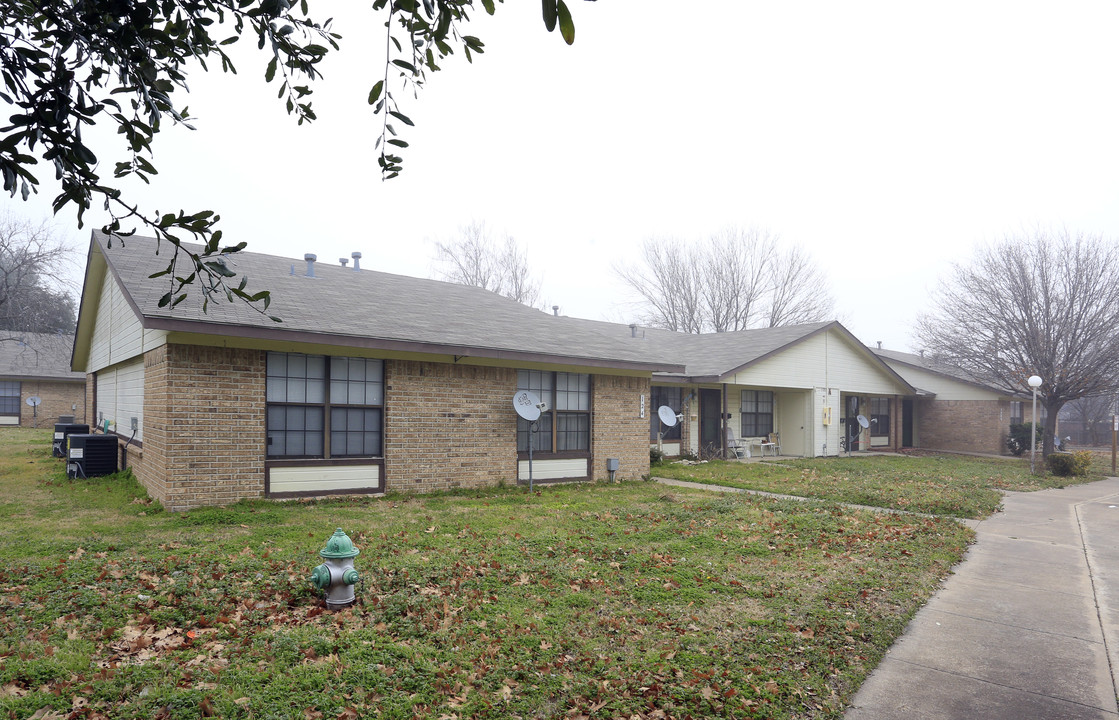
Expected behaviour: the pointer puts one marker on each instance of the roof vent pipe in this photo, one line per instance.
(879, 344)
(555, 310)
(344, 261)
(922, 353)
(310, 258)
(357, 260)
(633, 330)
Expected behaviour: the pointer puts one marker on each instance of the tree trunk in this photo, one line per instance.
(1052, 409)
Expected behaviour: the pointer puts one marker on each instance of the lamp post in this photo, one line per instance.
(1034, 382)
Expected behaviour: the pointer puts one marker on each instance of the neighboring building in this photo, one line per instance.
(953, 410)
(372, 382)
(37, 365)
(806, 383)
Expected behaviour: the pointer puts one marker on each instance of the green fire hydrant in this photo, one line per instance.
(336, 577)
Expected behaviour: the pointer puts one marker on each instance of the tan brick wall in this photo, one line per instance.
(619, 431)
(448, 426)
(149, 463)
(961, 425)
(204, 435)
(58, 398)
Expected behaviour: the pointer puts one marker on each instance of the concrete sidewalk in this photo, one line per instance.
(1027, 627)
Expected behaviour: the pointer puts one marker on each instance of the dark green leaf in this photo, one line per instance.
(375, 93)
(402, 118)
(550, 14)
(567, 26)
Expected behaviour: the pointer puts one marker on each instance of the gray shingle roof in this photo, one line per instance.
(37, 355)
(709, 356)
(373, 309)
(383, 310)
(932, 365)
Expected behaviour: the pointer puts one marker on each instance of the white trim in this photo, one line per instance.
(324, 479)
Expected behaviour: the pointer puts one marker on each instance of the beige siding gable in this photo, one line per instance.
(825, 360)
(945, 388)
(118, 334)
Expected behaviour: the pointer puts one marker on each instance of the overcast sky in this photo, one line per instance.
(887, 138)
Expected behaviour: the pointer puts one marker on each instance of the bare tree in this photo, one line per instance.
(738, 279)
(33, 279)
(800, 290)
(735, 268)
(1044, 304)
(476, 259)
(668, 263)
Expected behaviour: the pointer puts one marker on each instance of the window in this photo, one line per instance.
(9, 397)
(1016, 416)
(669, 396)
(565, 427)
(306, 392)
(879, 416)
(757, 413)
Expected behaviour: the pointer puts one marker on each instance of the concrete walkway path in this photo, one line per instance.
(1027, 627)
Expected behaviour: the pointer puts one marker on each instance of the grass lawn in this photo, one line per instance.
(580, 601)
(953, 485)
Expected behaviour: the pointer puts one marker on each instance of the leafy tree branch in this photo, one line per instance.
(69, 64)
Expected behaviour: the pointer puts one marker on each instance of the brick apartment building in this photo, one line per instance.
(376, 382)
(37, 365)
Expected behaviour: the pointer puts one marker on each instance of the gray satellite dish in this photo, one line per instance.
(667, 415)
(863, 422)
(34, 400)
(527, 405)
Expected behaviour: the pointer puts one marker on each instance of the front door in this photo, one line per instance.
(710, 411)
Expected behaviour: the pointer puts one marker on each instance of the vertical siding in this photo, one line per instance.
(106, 398)
(130, 398)
(825, 438)
(120, 397)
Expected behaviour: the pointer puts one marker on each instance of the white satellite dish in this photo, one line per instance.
(34, 400)
(528, 405)
(667, 415)
(863, 422)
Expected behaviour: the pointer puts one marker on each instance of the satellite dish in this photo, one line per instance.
(863, 422)
(527, 405)
(667, 415)
(34, 400)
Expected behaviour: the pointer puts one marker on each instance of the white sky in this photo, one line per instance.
(887, 138)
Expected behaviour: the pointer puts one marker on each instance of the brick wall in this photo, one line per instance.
(619, 430)
(448, 426)
(149, 463)
(961, 425)
(58, 399)
(204, 434)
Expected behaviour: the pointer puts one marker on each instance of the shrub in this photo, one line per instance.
(1067, 464)
(688, 455)
(656, 457)
(1018, 441)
